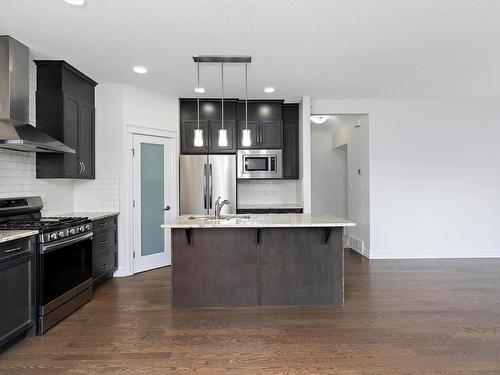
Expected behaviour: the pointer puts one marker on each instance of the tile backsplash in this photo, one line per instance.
(270, 192)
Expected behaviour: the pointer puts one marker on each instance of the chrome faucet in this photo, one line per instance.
(218, 207)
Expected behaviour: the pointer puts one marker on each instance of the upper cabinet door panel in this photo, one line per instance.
(271, 134)
(187, 137)
(253, 126)
(264, 110)
(230, 126)
(86, 141)
(71, 120)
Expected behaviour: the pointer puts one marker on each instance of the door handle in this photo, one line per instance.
(167, 208)
(81, 167)
(84, 167)
(205, 186)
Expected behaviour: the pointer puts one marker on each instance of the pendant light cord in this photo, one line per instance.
(246, 96)
(222, 71)
(198, 95)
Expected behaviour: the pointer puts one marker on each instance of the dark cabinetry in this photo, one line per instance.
(65, 110)
(210, 123)
(104, 248)
(291, 141)
(264, 122)
(17, 289)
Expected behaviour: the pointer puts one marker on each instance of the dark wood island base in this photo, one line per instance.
(216, 267)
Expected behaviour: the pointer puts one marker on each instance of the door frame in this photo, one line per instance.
(128, 179)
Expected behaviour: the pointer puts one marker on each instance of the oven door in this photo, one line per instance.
(65, 268)
(257, 164)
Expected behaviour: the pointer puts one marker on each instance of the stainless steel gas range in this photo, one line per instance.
(63, 261)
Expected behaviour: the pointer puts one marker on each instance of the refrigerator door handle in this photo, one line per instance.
(205, 186)
(210, 184)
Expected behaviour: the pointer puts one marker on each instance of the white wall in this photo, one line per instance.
(117, 108)
(434, 175)
(328, 173)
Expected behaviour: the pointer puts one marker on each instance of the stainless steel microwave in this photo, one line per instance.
(260, 164)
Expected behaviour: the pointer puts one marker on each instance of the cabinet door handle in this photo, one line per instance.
(12, 250)
(84, 167)
(103, 242)
(81, 168)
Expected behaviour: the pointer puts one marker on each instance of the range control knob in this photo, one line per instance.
(87, 227)
(81, 228)
(61, 234)
(72, 231)
(53, 236)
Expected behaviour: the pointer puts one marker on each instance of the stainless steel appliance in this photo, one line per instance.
(204, 178)
(64, 258)
(256, 164)
(15, 132)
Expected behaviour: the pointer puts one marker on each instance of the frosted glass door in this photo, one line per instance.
(152, 198)
(153, 190)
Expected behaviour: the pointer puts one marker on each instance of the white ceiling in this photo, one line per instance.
(321, 48)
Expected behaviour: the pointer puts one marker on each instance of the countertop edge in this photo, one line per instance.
(5, 236)
(262, 225)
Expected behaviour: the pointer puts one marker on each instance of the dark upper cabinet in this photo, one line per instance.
(65, 109)
(264, 122)
(291, 160)
(210, 122)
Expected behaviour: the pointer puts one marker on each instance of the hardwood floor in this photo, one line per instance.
(407, 316)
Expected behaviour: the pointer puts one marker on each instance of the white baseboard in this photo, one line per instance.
(436, 254)
(123, 272)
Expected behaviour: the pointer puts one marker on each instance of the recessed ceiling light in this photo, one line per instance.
(269, 90)
(76, 2)
(319, 119)
(199, 90)
(140, 69)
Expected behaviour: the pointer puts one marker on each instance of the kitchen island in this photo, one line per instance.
(257, 260)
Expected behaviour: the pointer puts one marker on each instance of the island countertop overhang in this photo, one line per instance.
(260, 221)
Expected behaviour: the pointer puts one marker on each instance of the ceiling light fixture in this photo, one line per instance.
(198, 133)
(199, 90)
(222, 132)
(78, 3)
(246, 135)
(269, 90)
(140, 69)
(319, 119)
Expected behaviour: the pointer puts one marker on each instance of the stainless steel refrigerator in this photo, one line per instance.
(204, 178)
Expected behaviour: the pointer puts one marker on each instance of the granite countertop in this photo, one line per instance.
(260, 221)
(91, 215)
(10, 235)
(259, 206)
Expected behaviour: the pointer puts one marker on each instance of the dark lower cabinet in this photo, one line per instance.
(104, 248)
(17, 289)
(257, 266)
(65, 109)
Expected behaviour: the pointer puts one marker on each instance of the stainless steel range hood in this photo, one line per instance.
(15, 131)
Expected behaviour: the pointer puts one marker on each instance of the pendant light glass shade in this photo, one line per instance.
(198, 137)
(222, 138)
(246, 139)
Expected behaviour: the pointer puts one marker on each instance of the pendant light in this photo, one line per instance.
(222, 132)
(198, 133)
(246, 139)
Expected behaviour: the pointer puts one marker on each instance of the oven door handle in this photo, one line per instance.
(54, 246)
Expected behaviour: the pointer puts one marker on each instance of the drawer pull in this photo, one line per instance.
(103, 242)
(12, 250)
(105, 265)
(103, 224)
